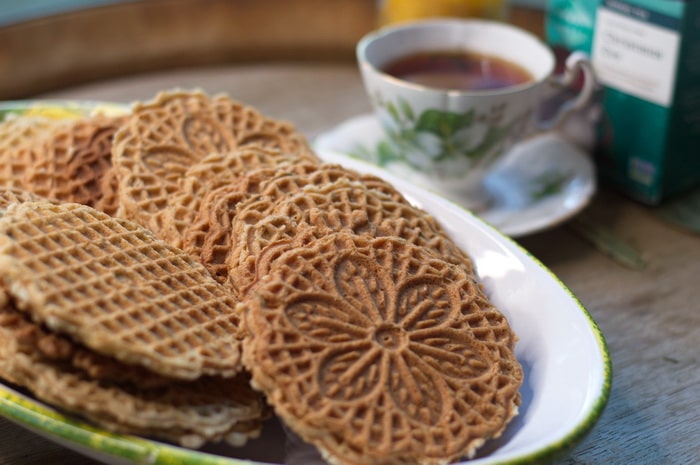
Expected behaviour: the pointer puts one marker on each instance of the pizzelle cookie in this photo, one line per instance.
(112, 286)
(207, 234)
(75, 162)
(376, 351)
(266, 190)
(292, 180)
(108, 187)
(162, 139)
(188, 413)
(121, 397)
(30, 337)
(264, 227)
(12, 195)
(211, 172)
(19, 135)
(209, 237)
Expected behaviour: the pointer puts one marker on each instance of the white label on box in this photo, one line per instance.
(635, 56)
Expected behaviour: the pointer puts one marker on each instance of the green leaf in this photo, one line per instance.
(444, 123)
(407, 110)
(393, 112)
(386, 153)
(493, 137)
(407, 137)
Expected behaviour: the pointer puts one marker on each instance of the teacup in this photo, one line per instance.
(452, 136)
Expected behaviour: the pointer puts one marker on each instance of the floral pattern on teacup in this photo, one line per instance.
(444, 141)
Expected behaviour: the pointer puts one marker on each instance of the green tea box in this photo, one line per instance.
(646, 54)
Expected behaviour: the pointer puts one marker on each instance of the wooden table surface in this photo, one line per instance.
(649, 316)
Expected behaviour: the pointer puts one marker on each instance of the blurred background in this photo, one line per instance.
(13, 10)
(54, 44)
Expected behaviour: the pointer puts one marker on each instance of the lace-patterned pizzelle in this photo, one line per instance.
(62, 159)
(208, 235)
(18, 137)
(267, 225)
(162, 139)
(12, 195)
(292, 180)
(75, 163)
(376, 351)
(214, 171)
(209, 238)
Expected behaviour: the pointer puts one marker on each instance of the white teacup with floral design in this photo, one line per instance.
(453, 137)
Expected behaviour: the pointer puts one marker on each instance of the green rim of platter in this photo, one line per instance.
(555, 450)
(84, 437)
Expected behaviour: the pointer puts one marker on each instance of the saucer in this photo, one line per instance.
(538, 184)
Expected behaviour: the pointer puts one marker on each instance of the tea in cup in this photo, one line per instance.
(454, 95)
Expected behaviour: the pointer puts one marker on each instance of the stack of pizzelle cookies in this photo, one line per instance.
(172, 271)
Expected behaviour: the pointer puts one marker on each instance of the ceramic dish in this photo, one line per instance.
(537, 185)
(563, 353)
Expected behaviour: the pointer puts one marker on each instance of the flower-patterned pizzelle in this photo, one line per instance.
(163, 138)
(74, 163)
(265, 225)
(19, 136)
(208, 238)
(376, 351)
(295, 180)
(213, 171)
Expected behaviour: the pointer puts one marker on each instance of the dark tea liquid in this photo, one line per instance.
(458, 70)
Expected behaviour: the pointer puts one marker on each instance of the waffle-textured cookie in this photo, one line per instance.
(209, 238)
(162, 139)
(265, 226)
(211, 172)
(266, 190)
(17, 130)
(188, 413)
(112, 286)
(207, 234)
(305, 177)
(286, 182)
(19, 137)
(74, 162)
(254, 181)
(108, 201)
(61, 350)
(200, 216)
(12, 195)
(376, 351)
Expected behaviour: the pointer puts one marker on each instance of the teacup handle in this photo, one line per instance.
(575, 63)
